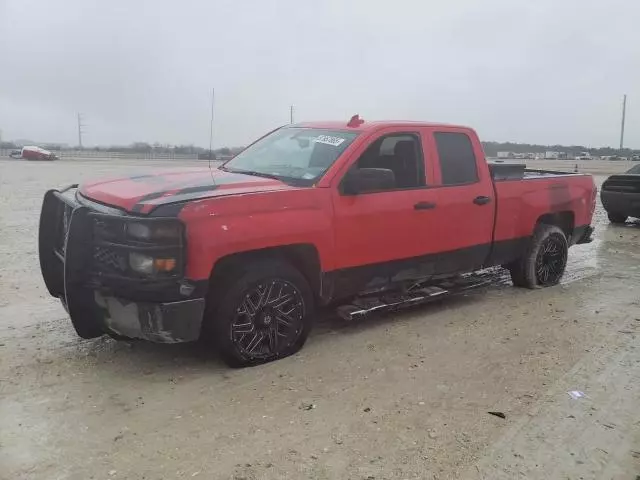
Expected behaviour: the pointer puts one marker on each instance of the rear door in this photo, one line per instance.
(464, 216)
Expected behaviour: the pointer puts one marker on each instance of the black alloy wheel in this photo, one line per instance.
(258, 310)
(268, 321)
(551, 260)
(543, 262)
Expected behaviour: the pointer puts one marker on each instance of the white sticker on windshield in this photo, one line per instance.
(335, 141)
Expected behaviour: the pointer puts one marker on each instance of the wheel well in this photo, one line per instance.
(304, 257)
(563, 220)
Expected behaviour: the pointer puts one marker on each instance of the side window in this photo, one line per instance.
(400, 153)
(457, 160)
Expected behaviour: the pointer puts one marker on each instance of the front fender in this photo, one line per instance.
(224, 226)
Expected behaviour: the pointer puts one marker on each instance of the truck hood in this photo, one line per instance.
(142, 193)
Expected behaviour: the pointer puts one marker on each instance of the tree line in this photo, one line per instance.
(491, 149)
(138, 147)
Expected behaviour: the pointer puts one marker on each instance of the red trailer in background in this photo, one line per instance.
(37, 153)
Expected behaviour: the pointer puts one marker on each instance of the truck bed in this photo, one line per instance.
(520, 202)
(518, 171)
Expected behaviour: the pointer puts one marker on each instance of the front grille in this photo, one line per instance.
(99, 246)
(108, 229)
(109, 260)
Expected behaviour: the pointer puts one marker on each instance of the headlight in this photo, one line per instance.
(141, 263)
(139, 231)
(154, 231)
(148, 265)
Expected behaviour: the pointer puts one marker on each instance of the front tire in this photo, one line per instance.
(544, 261)
(617, 218)
(264, 313)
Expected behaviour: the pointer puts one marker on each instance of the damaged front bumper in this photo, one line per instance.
(99, 300)
(158, 322)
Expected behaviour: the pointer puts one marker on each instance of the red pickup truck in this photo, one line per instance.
(358, 215)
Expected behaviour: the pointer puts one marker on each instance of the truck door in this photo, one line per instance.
(378, 233)
(462, 221)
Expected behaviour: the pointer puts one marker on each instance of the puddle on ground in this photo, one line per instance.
(583, 262)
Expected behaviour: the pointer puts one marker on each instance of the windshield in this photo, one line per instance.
(634, 170)
(302, 154)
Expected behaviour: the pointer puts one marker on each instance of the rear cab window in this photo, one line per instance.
(456, 157)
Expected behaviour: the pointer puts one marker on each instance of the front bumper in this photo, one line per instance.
(171, 322)
(100, 304)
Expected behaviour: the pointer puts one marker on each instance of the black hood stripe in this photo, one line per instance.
(192, 191)
(137, 208)
(168, 210)
(202, 188)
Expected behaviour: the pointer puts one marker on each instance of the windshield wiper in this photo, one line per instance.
(251, 172)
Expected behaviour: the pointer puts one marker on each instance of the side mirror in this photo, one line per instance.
(363, 180)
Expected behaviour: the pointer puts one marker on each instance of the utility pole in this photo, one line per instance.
(80, 131)
(624, 111)
(291, 114)
(213, 96)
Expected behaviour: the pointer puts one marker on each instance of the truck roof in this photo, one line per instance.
(364, 126)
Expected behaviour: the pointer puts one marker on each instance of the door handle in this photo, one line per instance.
(424, 206)
(481, 200)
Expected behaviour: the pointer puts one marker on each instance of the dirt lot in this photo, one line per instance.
(395, 397)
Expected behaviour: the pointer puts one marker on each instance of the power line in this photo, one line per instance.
(213, 96)
(624, 111)
(80, 129)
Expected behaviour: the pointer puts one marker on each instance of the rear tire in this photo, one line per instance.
(261, 312)
(544, 260)
(617, 218)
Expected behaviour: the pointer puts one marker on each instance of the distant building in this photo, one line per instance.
(584, 156)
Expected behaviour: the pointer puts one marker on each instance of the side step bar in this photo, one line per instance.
(426, 292)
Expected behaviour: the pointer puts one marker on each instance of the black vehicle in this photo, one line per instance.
(620, 195)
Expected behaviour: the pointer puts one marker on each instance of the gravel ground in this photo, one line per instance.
(394, 397)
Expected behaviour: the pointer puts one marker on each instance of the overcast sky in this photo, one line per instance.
(538, 71)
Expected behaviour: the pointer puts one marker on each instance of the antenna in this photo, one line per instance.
(213, 95)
